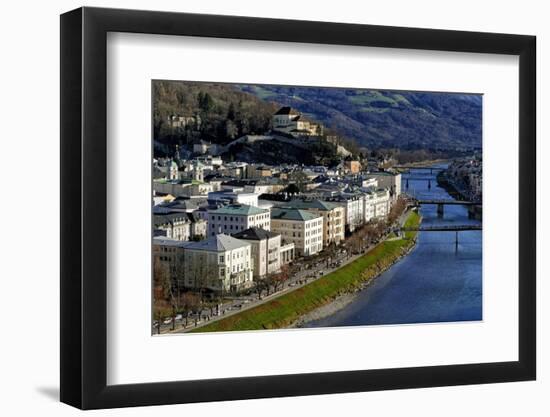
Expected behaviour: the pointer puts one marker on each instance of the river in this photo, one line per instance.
(436, 282)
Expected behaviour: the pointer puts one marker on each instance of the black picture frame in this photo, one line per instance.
(84, 207)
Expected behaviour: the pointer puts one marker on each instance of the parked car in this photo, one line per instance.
(179, 317)
(167, 320)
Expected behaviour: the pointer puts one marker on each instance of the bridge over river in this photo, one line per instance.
(444, 228)
(439, 281)
(441, 203)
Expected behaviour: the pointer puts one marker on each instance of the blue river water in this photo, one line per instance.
(436, 282)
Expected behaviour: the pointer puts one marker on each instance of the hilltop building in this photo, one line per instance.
(182, 121)
(289, 121)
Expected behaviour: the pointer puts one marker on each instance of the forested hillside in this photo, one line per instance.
(372, 118)
(225, 112)
(387, 119)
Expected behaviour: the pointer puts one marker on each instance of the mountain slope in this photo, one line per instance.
(386, 119)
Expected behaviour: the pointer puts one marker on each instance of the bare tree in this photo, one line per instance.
(278, 280)
(189, 303)
(260, 285)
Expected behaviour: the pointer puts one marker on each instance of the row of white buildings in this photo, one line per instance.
(244, 242)
(223, 231)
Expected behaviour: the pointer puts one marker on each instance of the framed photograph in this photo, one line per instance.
(258, 208)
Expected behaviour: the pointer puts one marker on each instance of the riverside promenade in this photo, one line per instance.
(283, 308)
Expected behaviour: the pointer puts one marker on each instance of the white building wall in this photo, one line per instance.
(307, 236)
(226, 223)
(223, 270)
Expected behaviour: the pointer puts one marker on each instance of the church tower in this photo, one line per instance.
(173, 170)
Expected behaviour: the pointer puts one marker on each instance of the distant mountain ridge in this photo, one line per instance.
(386, 119)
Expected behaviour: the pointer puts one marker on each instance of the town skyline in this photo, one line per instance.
(231, 232)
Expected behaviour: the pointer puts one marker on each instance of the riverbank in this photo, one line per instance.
(287, 310)
(426, 164)
(443, 181)
(343, 300)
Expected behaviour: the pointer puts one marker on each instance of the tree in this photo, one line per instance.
(260, 286)
(206, 103)
(300, 179)
(330, 252)
(278, 280)
(162, 279)
(292, 189)
(244, 126)
(231, 130)
(189, 303)
(231, 112)
(160, 313)
(397, 209)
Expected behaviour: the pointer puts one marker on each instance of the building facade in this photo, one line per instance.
(220, 263)
(389, 180)
(233, 197)
(234, 218)
(302, 228)
(174, 226)
(266, 248)
(353, 167)
(287, 253)
(333, 218)
(168, 255)
(379, 202)
(288, 120)
(354, 206)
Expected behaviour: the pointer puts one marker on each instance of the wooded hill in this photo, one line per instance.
(387, 119)
(412, 121)
(225, 112)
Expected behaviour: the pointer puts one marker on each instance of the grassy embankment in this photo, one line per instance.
(283, 311)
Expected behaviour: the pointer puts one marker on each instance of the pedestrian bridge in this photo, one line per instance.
(443, 228)
(449, 202)
(408, 168)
